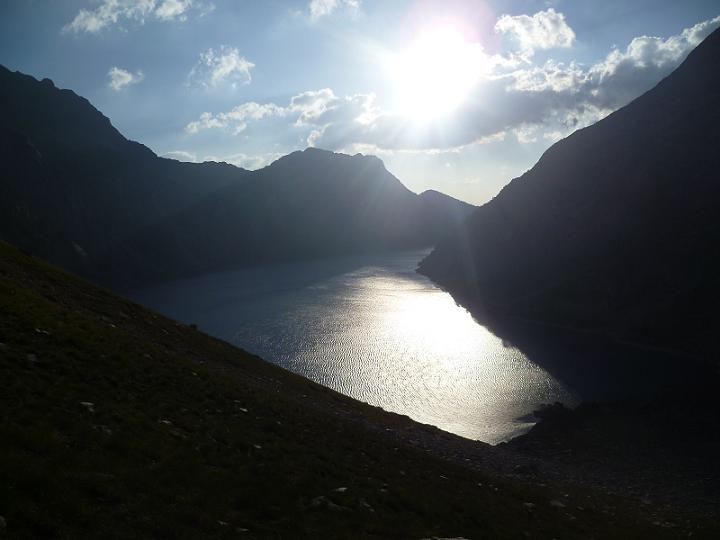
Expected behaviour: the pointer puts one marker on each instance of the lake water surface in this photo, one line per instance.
(372, 328)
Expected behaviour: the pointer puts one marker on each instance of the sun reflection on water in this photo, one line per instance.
(405, 345)
(378, 332)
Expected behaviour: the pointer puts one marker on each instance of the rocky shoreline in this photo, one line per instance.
(636, 456)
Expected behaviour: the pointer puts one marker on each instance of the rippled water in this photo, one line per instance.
(375, 330)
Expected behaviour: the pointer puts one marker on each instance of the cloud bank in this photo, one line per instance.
(544, 30)
(517, 97)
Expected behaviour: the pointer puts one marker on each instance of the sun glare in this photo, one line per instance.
(436, 72)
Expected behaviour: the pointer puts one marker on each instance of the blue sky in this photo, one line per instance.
(455, 95)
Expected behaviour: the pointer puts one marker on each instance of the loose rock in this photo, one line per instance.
(103, 429)
(322, 500)
(89, 405)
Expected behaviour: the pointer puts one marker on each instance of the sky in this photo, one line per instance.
(455, 95)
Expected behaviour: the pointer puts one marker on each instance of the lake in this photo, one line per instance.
(372, 328)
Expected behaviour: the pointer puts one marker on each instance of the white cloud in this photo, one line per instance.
(553, 76)
(181, 155)
(544, 30)
(553, 136)
(313, 110)
(224, 65)
(645, 61)
(110, 12)
(617, 79)
(526, 134)
(206, 121)
(556, 97)
(236, 119)
(373, 149)
(173, 9)
(247, 161)
(311, 104)
(321, 8)
(120, 78)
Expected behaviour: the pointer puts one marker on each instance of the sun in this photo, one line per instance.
(436, 72)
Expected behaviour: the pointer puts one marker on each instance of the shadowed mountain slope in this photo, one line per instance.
(616, 228)
(76, 192)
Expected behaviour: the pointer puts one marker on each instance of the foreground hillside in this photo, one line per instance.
(117, 423)
(615, 229)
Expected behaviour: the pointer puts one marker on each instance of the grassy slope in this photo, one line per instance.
(191, 437)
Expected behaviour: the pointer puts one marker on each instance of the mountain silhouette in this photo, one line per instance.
(76, 192)
(72, 186)
(308, 204)
(615, 229)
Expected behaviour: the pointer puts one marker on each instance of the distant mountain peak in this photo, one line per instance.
(443, 198)
(320, 157)
(436, 193)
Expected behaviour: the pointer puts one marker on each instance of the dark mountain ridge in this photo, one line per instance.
(78, 193)
(615, 229)
(308, 204)
(72, 185)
